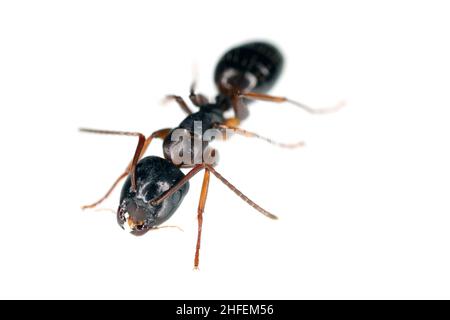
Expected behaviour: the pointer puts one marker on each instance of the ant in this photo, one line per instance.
(155, 187)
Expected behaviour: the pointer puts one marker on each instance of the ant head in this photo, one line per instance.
(135, 216)
(154, 176)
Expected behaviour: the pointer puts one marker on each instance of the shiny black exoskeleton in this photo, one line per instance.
(156, 186)
(189, 136)
(253, 67)
(154, 175)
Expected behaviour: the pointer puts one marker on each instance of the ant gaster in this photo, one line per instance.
(155, 187)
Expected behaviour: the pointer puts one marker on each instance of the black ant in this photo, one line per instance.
(155, 187)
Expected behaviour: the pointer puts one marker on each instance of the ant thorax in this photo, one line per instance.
(187, 148)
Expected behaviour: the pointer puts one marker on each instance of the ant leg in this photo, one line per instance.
(266, 97)
(140, 150)
(160, 134)
(183, 105)
(196, 98)
(137, 153)
(203, 195)
(240, 194)
(200, 210)
(232, 122)
(250, 134)
(197, 169)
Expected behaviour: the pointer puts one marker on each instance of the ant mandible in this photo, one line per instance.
(155, 186)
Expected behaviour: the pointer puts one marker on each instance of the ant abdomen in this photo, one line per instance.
(253, 67)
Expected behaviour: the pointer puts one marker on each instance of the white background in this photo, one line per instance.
(364, 207)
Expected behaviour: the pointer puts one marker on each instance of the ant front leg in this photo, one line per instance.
(200, 210)
(142, 146)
